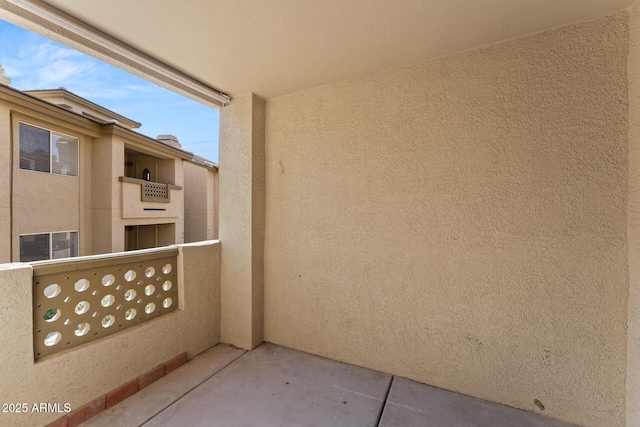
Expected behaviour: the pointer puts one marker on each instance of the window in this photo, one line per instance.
(43, 150)
(38, 247)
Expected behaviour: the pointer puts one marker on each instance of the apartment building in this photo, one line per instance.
(81, 181)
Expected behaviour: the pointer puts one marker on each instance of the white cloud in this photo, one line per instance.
(47, 65)
(33, 62)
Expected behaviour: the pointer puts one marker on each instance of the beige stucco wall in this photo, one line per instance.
(462, 221)
(200, 196)
(213, 204)
(178, 198)
(633, 346)
(5, 183)
(86, 168)
(84, 373)
(242, 216)
(44, 202)
(107, 159)
(133, 207)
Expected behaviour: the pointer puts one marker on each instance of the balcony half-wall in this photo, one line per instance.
(145, 199)
(93, 368)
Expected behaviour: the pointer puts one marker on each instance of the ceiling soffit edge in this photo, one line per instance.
(60, 27)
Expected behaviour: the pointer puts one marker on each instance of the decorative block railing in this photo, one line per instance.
(82, 300)
(152, 191)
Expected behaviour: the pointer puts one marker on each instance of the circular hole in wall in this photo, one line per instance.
(108, 321)
(82, 307)
(81, 285)
(150, 271)
(107, 300)
(82, 329)
(166, 269)
(149, 290)
(167, 302)
(52, 315)
(149, 308)
(167, 285)
(52, 291)
(130, 276)
(130, 294)
(130, 314)
(52, 338)
(108, 280)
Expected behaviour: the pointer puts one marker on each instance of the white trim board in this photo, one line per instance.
(52, 23)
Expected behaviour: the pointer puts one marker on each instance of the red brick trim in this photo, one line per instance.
(116, 396)
(175, 363)
(89, 410)
(150, 377)
(121, 393)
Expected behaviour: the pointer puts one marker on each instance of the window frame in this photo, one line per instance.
(50, 234)
(51, 132)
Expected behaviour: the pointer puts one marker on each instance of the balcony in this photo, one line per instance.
(470, 221)
(145, 199)
(131, 370)
(277, 386)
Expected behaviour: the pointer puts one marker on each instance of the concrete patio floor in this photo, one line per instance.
(277, 386)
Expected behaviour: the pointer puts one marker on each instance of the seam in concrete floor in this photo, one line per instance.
(385, 404)
(386, 399)
(194, 387)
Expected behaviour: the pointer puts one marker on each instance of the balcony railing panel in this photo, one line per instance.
(154, 192)
(78, 302)
(89, 371)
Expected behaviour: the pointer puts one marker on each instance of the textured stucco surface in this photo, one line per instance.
(45, 202)
(200, 203)
(133, 207)
(242, 216)
(106, 200)
(462, 221)
(633, 349)
(84, 373)
(42, 202)
(5, 184)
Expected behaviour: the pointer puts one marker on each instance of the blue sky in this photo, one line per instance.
(35, 62)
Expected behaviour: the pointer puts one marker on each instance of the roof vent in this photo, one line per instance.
(169, 140)
(4, 80)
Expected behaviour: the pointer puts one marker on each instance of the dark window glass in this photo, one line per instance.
(34, 247)
(34, 148)
(64, 245)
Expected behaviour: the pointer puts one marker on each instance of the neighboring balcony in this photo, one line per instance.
(146, 199)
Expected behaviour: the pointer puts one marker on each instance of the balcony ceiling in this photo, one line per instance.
(279, 46)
